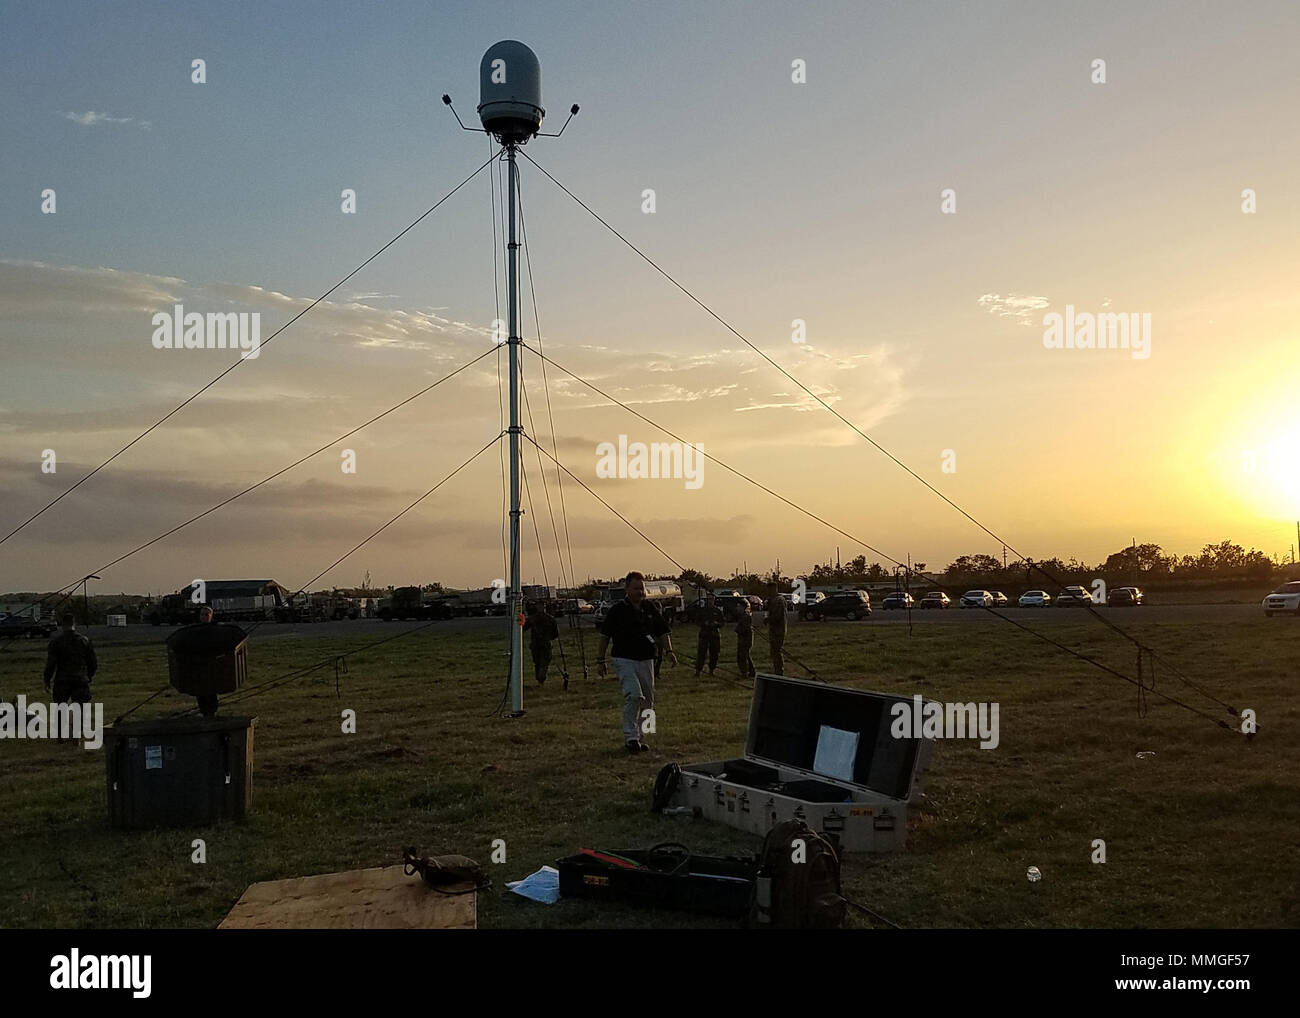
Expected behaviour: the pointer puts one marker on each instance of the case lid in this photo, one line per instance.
(833, 732)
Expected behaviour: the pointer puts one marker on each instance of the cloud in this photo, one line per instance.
(91, 118)
(85, 379)
(1023, 308)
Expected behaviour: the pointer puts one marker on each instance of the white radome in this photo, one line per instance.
(510, 91)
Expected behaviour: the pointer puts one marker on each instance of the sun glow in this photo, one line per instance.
(1277, 473)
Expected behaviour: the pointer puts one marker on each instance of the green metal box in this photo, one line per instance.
(179, 772)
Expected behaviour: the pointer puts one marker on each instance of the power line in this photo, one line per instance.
(235, 364)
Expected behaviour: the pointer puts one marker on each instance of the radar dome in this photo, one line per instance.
(510, 91)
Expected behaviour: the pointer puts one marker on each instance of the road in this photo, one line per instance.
(374, 629)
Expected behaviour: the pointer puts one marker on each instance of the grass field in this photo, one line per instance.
(1204, 834)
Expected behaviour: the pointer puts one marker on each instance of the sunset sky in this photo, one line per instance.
(775, 201)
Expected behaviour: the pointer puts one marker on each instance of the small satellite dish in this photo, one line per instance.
(510, 92)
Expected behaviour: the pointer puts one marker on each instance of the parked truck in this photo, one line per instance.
(665, 594)
(414, 603)
(25, 621)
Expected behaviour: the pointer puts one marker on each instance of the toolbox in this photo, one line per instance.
(819, 753)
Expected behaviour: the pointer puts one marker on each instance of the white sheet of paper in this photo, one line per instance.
(836, 751)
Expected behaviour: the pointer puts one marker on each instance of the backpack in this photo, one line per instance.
(790, 895)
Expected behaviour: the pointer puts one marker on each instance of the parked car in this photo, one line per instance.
(1285, 599)
(999, 598)
(1035, 599)
(1073, 595)
(811, 599)
(732, 607)
(899, 599)
(1122, 596)
(936, 599)
(24, 626)
(976, 599)
(845, 604)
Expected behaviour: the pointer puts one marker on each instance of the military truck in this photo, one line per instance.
(414, 603)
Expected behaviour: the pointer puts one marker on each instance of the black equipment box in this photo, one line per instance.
(179, 772)
(667, 876)
(204, 660)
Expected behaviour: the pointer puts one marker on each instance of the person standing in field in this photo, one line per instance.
(774, 619)
(542, 631)
(745, 641)
(710, 644)
(637, 631)
(70, 664)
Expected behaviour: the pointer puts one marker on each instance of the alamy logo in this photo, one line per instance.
(83, 721)
(102, 972)
(929, 719)
(182, 330)
(658, 459)
(1105, 331)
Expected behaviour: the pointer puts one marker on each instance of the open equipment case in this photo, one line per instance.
(818, 753)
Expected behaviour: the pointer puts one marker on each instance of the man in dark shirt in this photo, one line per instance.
(711, 623)
(775, 622)
(70, 664)
(637, 631)
(541, 629)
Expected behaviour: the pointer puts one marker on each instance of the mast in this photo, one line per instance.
(515, 599)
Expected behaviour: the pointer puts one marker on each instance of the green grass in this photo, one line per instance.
(1202, 835)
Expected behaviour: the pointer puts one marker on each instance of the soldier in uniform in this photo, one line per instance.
(70, 664)
(745, 642)
(711, 622)
(542, 631)
(775, 621)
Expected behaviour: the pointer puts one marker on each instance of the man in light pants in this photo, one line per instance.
(638, 631)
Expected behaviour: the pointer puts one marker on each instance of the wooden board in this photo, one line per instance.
(376, 899)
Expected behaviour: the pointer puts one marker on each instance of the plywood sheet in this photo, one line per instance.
(376, 899)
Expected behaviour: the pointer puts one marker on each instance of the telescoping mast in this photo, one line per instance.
(510, 109)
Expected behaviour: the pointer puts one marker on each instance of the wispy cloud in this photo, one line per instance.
(1022, 307)
(91, 118)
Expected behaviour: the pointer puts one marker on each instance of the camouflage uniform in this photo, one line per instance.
(70, 664)
(776, 632)
(542, 631)
(744, 644)
(710, 645)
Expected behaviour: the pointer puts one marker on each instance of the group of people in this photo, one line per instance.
(641, 638)
(712, 620)
(635, 628)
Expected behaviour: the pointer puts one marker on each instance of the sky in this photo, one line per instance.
(775, 200)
